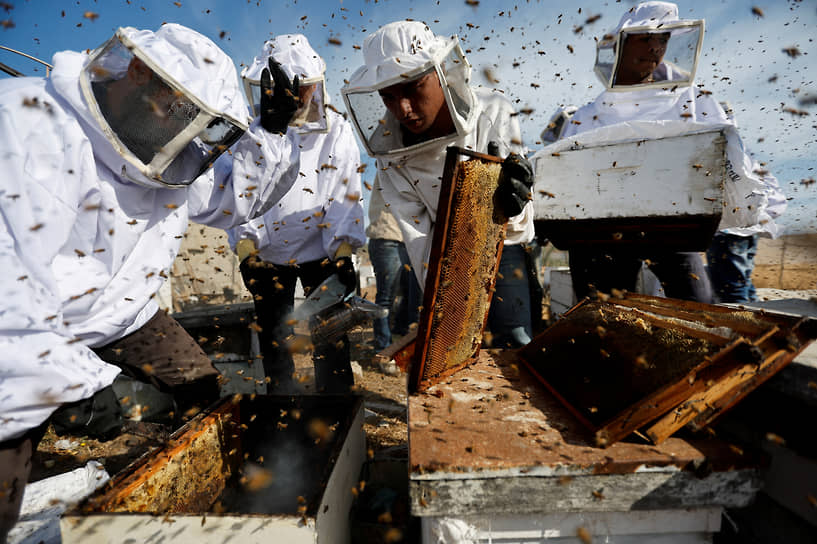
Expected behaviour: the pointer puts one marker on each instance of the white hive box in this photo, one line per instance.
(664, 192)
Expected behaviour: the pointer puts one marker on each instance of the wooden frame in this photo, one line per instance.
(469, 233)
(745, 349)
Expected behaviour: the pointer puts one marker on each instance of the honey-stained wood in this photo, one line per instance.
(188, 474)
(604, 360)
(774, 352)
(467, 244)
(667, 399)
(710, 357)
(401, 351)
(490, 439)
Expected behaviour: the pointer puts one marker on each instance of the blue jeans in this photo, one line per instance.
(509, 317)
(731, 259)
(682, 274)
(273, 290)
(393, 278)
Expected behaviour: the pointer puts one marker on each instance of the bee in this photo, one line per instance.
(792, 51)
(90, 15)
(598, 494)
(771, 437)
(489, 75)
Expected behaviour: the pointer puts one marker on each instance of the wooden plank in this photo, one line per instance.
(701, 409)
(660, 403)
(721, 394)
(717, 339)
(401, 351)
(795, 342)
(592, 493)
(710, 315)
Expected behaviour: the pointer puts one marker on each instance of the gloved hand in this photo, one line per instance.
(346, 273)
(515, 183)
(245, 248)
(278, 105)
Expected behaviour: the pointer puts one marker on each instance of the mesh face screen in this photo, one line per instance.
(462, 270)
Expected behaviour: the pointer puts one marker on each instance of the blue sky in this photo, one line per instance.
(743, 60)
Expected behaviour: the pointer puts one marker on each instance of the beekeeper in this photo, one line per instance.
(647, 64)
(312, 232)
(104, 164)
(409, 101)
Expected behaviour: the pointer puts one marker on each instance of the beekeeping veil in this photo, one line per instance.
(557, 123)
(297, 58)
(401, 53)
(657, 21)
(167, 101)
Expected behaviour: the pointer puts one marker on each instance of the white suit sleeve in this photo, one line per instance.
(747, 175)
(246, 180)
(254, 230)
(41, 364)
(745, 193)
(344, 212)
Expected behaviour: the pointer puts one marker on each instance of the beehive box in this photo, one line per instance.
(262, 469)
(657, 364)
(664, 193)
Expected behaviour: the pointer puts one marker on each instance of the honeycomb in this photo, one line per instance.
(465, 271)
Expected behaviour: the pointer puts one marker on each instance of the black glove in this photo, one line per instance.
(278, 105)
(515, 182)
(346, 273)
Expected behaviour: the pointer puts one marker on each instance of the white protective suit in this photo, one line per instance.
(410, 181)
(752, 199)
(84, 250)
(322, 209)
